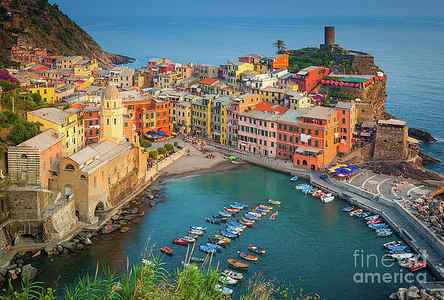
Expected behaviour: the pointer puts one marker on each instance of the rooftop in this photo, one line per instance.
(51, 114)
(345, 105)
(95, 155)
(319, 112)
(43, 141)
(209, 81)
(392, 122)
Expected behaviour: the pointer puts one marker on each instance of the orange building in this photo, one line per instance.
(313, 138)
(280, 61)
(164, 118)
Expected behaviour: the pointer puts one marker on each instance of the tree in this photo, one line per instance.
(169, 148)
(280, 45)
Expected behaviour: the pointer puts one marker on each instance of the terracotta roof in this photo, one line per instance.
(267, 107)
(209, 81)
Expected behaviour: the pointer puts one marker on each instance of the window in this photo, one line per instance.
(69, 167)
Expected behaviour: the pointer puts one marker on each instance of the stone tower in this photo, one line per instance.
(112, 116)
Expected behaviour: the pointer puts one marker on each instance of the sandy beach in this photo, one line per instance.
(197, 162)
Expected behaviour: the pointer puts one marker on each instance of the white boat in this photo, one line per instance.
(274, 202)
(401, 255)
(196, 232)
(233, 274)
(198, 228)
(224, 290)
(328, 198)
(294, 179)
(392, 243)
(228, 280)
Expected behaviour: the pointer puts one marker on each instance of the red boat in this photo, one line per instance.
(375, 221)
(180, 242)
(419, 265)
(166, 250)
(231, 210)
(248, 224)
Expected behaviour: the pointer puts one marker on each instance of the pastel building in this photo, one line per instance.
(309, 78)
(65, 123)
(220, 119)
(257, 129)
(201, 116)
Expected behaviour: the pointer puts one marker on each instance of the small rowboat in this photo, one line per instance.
(233, 274)
(419, 265)
(180, 242)
(256, 249)
(224, 290)
(224, 214)
(231, 210)
(273, 216)
(166, 250)
(197, 259)
(196, 232)
(248, 257)
(189, 239)
(294, 179)
(200, 228)
(237, 264)
(227, 280)
(266, 207)
(246, 223)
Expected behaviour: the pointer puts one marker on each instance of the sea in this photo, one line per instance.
(312, 248)
(410, 50)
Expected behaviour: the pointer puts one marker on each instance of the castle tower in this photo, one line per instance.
(329, 36)
(112, 116)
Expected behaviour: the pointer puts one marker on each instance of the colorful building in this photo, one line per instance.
(220, 119)
(46, 92)
(309, 78)
(201, 116)
(182, 116)
(66, 124)
(257, 129)
(280, 61)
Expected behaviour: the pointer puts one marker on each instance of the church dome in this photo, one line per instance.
(111, 93)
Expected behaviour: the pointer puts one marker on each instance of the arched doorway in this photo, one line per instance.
(304, 162)
(313, 167)
(99, 210)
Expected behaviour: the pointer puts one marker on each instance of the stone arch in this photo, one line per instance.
(304, 162)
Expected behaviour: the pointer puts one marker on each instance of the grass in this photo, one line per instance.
(150, 280)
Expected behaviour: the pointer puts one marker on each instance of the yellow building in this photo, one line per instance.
(84, 83)
(112, 115)
(236, 69)
(48, 93)
(220, 119)
(182, 116)
(65, 123)
(85, 67)
(201, 116)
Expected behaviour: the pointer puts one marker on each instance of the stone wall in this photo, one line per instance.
(391, 143)
(62, 221)
(27, 204)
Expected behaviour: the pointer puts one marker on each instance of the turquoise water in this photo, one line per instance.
(310, 246)
(410, 50)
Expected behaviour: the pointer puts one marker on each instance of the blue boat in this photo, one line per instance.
(234, 224)
(206, 249)
(398, 247)
(347, 209)
(398, 251)
(238, 205)
(215, 246)
(248, 216)
(378, 226)
(227, 234)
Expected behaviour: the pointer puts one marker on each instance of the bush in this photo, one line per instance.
(21, 130)
(153, 154)
(145, 143)
(169, 148)
(161, 151)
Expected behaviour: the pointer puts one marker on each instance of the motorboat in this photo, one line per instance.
(224, 214)
(250, 216)
(418, 265)
(274, 216)
(392, 243)
(206, 249)
(327, 198)
(198, 228)
(401, 255)
(378, 226)
(167, 250)
(180, 242)
(294, 178)
(248, 257)
(385, 233)
(215, 246)
(214, 221)
(235, 263)
(348, 209)
(233, 274)
(188, 238)
(238, 205)
(196, 232)
(197, 259)
(355, 212)
(375, 221)
(246, 223)
(231, 210)
(373, 217)
(224, 290)
(274, 202)
(228, 234)
(256, 249)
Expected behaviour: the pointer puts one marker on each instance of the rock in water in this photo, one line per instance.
(421, 135)
(29, 272)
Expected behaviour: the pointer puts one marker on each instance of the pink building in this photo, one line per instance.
(257, 129)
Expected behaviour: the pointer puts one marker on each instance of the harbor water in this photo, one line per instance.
(311, 246)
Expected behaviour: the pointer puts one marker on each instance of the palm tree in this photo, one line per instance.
(280, 45)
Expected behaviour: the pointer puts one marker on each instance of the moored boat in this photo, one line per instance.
(231, 210)
(347, 209)
(233, 274)
(274, 216)
(248, 257)
(206, 249)
(418, 265)
(294, 178)
(235, 263)
(274, 202)
(228, 280)
(256, 249)
(188, 238)
(198, 228)
(224, 214)
(197, 259)
(166, 250)
(180, 242)
(224, 290)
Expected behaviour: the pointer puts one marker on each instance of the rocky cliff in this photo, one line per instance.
(40, 24)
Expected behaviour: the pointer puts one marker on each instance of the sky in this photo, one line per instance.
(246, 8)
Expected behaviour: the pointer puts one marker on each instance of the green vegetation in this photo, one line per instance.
(161, 151)
(17, 100)
(169, 148)
(149, 280)
(310, 57)
(153, 154)
(144, 142)
(19, 129)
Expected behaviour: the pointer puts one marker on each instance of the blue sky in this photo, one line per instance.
(242, 8)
